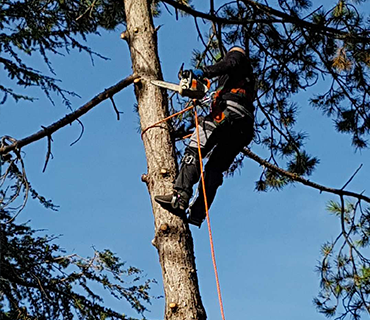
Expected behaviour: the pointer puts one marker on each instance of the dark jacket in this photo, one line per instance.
(234, 71)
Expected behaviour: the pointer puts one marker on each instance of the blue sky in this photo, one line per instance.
(267, 244)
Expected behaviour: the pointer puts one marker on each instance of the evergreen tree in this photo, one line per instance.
(293, 47)
(38, 280)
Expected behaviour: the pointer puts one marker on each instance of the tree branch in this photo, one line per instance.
(206, 16)
(302, 180)
(268, 10)
(48, 153)
(69, 118)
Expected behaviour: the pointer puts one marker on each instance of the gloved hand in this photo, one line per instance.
(198, 73)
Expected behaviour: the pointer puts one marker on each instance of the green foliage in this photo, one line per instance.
(303, 164)
(47, 28)
(293, 49)
(39, 281)
(344, 270)
(15, 187)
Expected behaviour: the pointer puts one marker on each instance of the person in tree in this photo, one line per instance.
(223, 133)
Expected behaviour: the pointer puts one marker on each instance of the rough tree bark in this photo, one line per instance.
(172, 239)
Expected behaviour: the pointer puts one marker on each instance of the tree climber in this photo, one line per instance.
(225, 131)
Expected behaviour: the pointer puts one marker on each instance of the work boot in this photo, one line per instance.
(176, 203)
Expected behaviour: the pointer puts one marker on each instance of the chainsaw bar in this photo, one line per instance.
(167, 85)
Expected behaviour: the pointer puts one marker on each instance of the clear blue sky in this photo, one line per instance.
(267, 244)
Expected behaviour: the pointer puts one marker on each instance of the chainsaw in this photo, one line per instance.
(189, 85)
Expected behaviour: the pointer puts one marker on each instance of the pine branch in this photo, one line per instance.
(302, 180)
(69, 118)
(206, 16)
(286, 18)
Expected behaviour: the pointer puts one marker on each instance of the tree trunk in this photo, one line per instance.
(172, 239)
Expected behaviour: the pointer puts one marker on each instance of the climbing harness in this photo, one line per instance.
(194, 104)
(218, 106)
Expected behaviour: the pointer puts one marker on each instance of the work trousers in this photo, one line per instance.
(221, 143)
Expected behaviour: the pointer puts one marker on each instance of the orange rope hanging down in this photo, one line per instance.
(204, 196)
(208, 220)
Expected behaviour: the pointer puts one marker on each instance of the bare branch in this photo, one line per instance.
(115, 108)
(81, 133)
(69, 118)
(207, 46)
(350, 179)
(212, 7)
(48, 153)
(302, 180)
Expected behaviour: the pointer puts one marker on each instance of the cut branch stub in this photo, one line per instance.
(124, 35)
(164, 227)
(144, 178)
(164, 172)
(173, 306)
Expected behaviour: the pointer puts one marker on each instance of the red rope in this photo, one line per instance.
(208, 220)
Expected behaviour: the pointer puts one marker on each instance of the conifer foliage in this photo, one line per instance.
(38, 27)
(39, 280)
(293, 48)
(344, 269)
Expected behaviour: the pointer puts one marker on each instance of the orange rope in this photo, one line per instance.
(208, 220)
(187, 136)
(167, 118)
